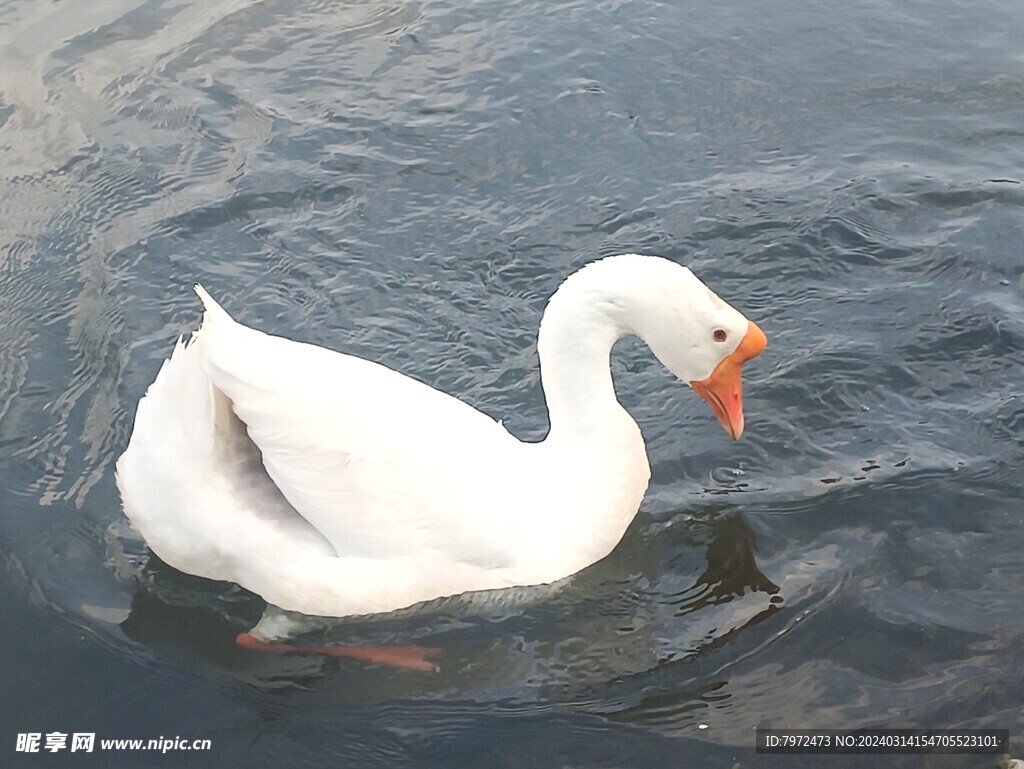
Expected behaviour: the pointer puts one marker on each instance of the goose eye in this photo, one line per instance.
(719, 335)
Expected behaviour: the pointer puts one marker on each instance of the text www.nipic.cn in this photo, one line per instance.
(86, 742)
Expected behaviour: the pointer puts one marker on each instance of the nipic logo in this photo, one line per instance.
(34, 742)
(85, 742)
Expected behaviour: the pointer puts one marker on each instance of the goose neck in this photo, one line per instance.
(577, 333)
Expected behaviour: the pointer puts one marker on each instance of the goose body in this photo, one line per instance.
(334, 486)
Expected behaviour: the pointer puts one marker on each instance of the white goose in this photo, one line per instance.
(334, 486)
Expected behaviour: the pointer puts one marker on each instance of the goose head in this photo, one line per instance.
(690, 329)
(698, 337)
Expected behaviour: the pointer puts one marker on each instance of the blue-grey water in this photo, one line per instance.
(409, 181)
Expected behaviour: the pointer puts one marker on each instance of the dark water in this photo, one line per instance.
(409, 182)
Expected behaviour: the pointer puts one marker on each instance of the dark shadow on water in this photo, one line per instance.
(732, 568)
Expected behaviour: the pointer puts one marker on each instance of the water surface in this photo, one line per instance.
(409, 182)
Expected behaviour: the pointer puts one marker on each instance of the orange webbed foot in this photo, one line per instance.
(412, 657)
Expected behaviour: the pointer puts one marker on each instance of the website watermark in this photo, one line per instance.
(87, 742)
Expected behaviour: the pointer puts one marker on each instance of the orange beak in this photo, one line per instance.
(724, 389)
